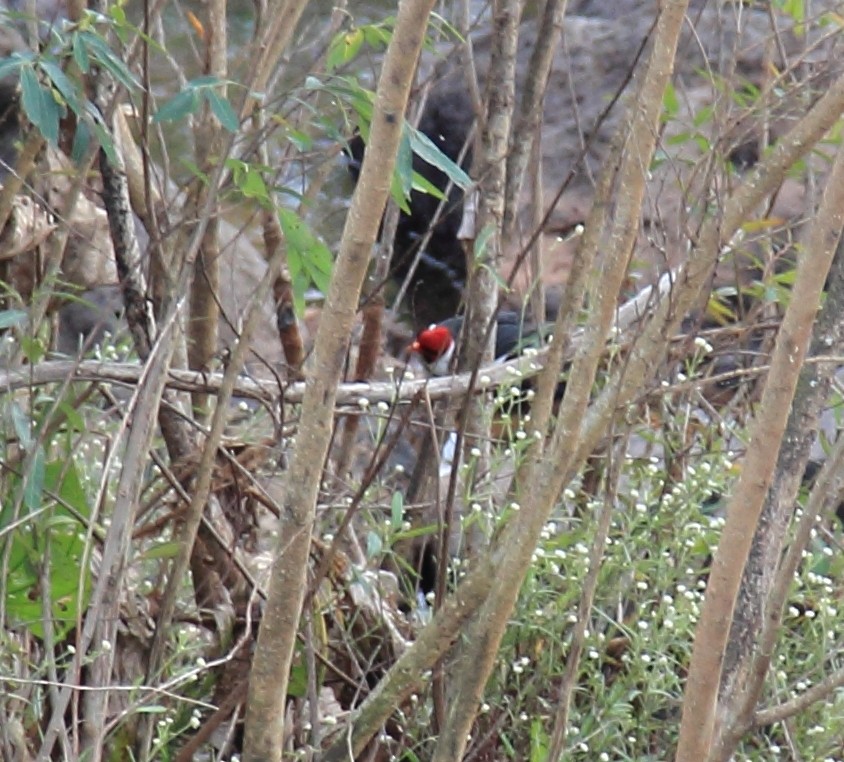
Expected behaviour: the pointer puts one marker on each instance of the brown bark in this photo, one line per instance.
(526, 130)
(204, 300)
(277, 634)
(699, 731)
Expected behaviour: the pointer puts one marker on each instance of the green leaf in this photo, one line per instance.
(424, 185)
(703, 116)
(248, 180)
(482, 241)
(80, 53)
(117, 13)
(12, 63)
(22, 424)
(60, 81)
(428, 530)
(33, 348)
(670, 102)
(82, 142)
(162, 550)
(34, 482)
(62, 479)
(301, 140)
(75, 422)
(222, 110)
(297, 683)
(373, 544)
(69, 581)
(9, 318)
(426, 150)
(397, 510)
(178, 107)
(404, 164)
(377, 36)
(398, 195)
(538, 741)
(307, 256)
(106, 57)
(206, 80)
(344, 47)
(445, 27)
(104, 138)
(39, 105)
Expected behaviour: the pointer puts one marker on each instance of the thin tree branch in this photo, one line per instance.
(277, 635)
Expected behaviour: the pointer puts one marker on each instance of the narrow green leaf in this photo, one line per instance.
(482, 241)
(80, 53)
(107, 58)
(178, 107)
(398, 195)
(68, 90)
(39, 105)
(206, 80)
(404, 164)
(538, 742)
(105, 141)
(426, 150)
(34, 484)
(162, 550)
(397, 510)
(9, 318)
(22, 423)
(12, 63)
(670, 102)
(222, 110)
(424, 185)
(373, 545)
(81, 141)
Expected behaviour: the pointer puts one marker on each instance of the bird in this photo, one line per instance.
(436, 344)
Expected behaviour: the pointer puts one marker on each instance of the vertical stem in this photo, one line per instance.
(277, 635)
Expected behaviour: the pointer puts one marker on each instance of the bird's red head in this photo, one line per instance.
(432, 343)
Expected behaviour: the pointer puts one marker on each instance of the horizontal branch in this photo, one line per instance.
(355, 394)
(799, 703)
